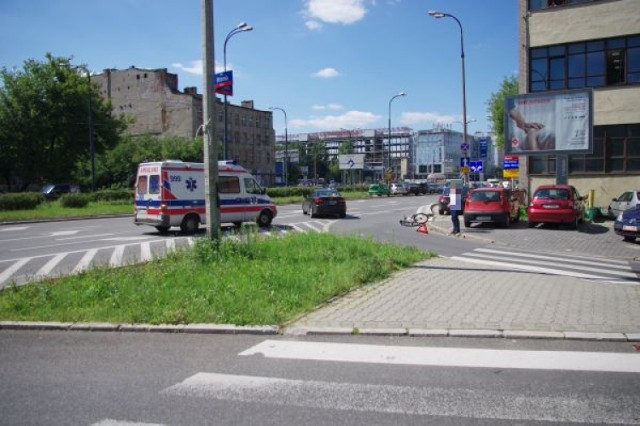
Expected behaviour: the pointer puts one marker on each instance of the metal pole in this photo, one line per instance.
(389, 136)
(286, 145)
(211, 147)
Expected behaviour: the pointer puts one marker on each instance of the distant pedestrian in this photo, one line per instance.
(455, 205)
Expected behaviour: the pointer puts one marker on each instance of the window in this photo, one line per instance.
(154, 184)
(228, 184)
(251, 186)
(595, 63)
(141, 187)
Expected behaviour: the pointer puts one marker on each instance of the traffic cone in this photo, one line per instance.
(423, 229)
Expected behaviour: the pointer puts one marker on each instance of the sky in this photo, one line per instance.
(330, 64)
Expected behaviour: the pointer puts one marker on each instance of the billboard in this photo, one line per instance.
(549, 123)
(351, 162)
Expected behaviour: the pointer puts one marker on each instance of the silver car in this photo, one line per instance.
(627, 200)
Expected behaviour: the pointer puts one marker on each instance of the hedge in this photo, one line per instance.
(20, 201)
(76, 200)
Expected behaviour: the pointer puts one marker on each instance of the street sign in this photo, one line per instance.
(464, 170)
(224, 83)
(511, 166)
(476, 166)
(464, 161)
(464, 147)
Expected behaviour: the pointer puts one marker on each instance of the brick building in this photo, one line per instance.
(150, 97)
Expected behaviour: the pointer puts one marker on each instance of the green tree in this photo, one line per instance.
(44, 120)
(495, 107)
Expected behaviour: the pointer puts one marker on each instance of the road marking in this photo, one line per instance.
(448, 357)
(422, 400)
(111, 422)
(7, 273)
(85, 261)
(145, 252)
(13, 228)
(63, 233)
(116, 257)
(572, 259)
(48, 267)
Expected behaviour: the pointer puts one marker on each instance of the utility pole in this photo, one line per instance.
(211, 146)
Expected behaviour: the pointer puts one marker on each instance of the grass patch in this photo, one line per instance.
(256, 281)
(54, 209)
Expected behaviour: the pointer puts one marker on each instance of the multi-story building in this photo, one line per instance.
(150, 97)
(575, 44)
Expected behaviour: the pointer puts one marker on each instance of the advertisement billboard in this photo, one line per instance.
(351, 162)
(549, 123)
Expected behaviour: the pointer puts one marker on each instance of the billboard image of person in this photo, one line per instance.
(549, 123)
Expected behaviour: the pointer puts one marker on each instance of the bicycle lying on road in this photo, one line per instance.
(416, 219)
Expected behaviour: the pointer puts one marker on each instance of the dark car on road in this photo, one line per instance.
(627, 224)
(444, 199)
(54, 191)
(556, 204)
(325, 202)
(489, 205)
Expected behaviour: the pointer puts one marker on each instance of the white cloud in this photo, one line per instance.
(326, 73)
(334, 107)
(350, 119)
(334, 11)
(413, 118)
(194, 67)
(313, 25)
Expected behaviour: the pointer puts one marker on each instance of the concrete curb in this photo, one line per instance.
(270, 330)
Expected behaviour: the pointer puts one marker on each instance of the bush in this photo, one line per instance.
(112, 195)
(20, 201)
(74, 200)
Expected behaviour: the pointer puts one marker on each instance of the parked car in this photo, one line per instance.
(54, 191)
(627, 200)
(627, 224)
(324, 202)
(399, 188)
(378, 189)
(490, 205)
(416, 188)
(556, 204)
(431, 187)
(444, 199)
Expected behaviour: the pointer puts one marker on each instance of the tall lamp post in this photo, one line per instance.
(439, 15)
(242, 27)
(286, 145)
(389, 136)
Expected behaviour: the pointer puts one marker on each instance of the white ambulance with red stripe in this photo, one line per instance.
(171, 193)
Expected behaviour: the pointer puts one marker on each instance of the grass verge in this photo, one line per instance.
(256, 281)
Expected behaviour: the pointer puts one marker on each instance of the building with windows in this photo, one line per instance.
(572, 44)
(151, 99)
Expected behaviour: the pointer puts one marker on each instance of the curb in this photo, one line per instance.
(64, 219)
(271, 330)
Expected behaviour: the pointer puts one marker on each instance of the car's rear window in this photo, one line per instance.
(552, 194)
(485, 196)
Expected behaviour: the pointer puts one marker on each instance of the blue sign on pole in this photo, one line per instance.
(224, 83)
(464, 161)
(484, 142)
(476, 166)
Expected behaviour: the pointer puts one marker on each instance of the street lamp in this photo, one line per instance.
(439, 15)
(241, 27)
(389, 136)
(286, 144)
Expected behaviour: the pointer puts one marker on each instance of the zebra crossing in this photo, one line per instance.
(21, 270)
(592, 268)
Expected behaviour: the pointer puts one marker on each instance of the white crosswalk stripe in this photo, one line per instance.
(555, 264)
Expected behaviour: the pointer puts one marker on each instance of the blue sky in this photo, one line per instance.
(330, 64)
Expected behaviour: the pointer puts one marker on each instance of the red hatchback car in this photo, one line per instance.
(556, 204)
(490, 205)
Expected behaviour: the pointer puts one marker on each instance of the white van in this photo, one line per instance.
(171, 193)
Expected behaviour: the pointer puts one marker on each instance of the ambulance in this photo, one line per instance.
(171, 193)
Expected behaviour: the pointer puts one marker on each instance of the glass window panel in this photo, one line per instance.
(556, 69)
(615, 67)
(633, 59)
(616, 147)
(595, 81)
(576, 164)
(616, 165)
(619, 131)
(538, 69)
(576, 48)
(538, 165)
(615, 43)
(595, 63)
(557, 50)
(540, 87)
(576, 66)
(633, 147)
(633, 78)
(633, 41)
(594, 165)
(538, 52)
(154, 184)
(598, 148)
(633, 164)
(576, 83)
(537, 4)
(594, 46)
(558, 84)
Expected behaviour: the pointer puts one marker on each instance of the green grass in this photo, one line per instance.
(257, 281)
(54, 210)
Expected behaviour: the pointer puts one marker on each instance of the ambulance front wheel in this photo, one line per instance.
(163, 230)
(264, 219)
(190, 224)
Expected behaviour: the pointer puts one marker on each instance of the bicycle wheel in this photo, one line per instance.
(420, 218)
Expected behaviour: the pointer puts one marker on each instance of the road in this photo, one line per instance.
(114, 378)
(36, 250)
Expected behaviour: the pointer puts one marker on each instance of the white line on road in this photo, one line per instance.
(85, 261)
(116, 257)
(421, 400)
(7, 273)
(448, 357)
(48, 267)
(571, 259)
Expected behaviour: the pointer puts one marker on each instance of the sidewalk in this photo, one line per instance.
(445, 297)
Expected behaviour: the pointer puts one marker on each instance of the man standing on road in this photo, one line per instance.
(455, 205)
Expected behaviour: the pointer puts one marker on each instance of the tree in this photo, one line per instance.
(44, 110)
(495, 107)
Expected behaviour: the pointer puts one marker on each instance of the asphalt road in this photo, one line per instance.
(115, 378)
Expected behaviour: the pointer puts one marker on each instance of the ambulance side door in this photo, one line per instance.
(231, 202)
